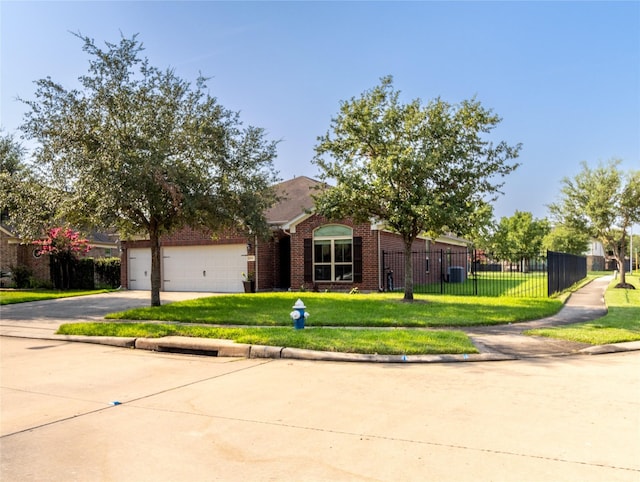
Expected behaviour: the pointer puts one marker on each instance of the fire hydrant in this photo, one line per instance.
(298, 315)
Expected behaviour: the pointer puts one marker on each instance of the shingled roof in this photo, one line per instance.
(295, 199)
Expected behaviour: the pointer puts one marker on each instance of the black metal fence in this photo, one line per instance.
(564, 270)
(474, 272)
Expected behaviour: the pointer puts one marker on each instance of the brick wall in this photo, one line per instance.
(370, 255)
(269, 265)
(266, 265)
(8, 252)
(39, 265)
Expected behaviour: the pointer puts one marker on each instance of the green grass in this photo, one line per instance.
(383, 342)
(267, 317)
(8, 297)
(344, 310)
(533, 285)
(621, 324)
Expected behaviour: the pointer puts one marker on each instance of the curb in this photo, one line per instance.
(612, 348)
(228, 348)
(194, 346)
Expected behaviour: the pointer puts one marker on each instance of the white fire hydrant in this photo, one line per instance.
(299, 315)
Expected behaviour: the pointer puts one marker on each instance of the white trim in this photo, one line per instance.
(291, 225)
(7, 232)
(332, 264)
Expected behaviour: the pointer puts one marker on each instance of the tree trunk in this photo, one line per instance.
(621, 270)
(156, 266)
(64, 262)
(408, 271)
(618, 254)
(65, 273)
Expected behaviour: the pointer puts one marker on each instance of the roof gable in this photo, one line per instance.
(295, 199)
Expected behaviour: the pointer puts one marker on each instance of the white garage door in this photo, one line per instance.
(139, 268)
(204, 268)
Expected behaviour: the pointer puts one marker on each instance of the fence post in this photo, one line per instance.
(382, 271)
(441, 271)
(474, 273)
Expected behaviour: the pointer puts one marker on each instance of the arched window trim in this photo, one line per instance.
(348, 232)
(332, 255)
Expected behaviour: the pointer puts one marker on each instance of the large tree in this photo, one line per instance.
(26, 203)
(603, 202)
(565, 239)
(141, 149)
(418, 168)
(519, 237)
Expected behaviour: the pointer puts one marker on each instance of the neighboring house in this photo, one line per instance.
(16, 253)
(596, 256)
(305, 251)
(599, 259)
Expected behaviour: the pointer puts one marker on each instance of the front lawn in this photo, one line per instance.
(344, 310)
(382, 342)
(620, 324)
(8, 297)
(267, 317)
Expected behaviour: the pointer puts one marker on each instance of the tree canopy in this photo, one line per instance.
(603, 202)
(565, 239)
(519, 236)
(140, 149)
(26, 203)
(418, 168)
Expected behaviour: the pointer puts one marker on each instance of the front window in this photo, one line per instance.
(333, 253)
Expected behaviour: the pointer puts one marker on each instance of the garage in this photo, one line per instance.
(191, 268)
(139, 268)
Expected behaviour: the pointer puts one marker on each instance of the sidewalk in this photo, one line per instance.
(495, 343)
(586, 304)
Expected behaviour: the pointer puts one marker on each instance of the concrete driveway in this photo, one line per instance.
(80, 412)
(44, 317)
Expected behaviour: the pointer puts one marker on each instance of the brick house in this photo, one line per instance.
(305, 251)
(14, 252)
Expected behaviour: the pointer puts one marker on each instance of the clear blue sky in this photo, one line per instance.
(564, 76)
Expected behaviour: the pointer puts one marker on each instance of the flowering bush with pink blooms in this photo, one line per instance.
(63, 245)
(63, 242)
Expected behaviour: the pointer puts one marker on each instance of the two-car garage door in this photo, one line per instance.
(191, 268)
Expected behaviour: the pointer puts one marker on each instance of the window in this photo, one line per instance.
(333, 253)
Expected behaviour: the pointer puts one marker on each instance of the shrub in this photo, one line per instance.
(108, 271)
(68, 273)
(83, 278)
(21, 276)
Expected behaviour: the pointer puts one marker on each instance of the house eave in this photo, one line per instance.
(291, 225)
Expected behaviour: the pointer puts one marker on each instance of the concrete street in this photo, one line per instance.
(192, 418)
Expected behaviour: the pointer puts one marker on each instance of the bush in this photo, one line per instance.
(68, 273)
(108, 271)
(21, 276)
(83, 278)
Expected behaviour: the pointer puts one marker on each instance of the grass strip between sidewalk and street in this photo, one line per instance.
(620, 324)
(382, 342)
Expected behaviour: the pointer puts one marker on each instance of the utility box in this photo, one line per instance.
(457, 274)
